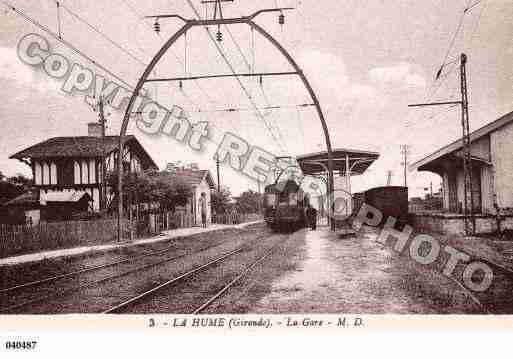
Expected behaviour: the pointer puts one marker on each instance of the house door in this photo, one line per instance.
(476, 189)
(194, 209)
(453, 193)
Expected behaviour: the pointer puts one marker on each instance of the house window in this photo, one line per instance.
(38, 173)
(65, 173)
(92, 171)
(46, 174)
(53, 173)
(85, 172)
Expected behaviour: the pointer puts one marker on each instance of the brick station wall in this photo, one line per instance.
(447, 224)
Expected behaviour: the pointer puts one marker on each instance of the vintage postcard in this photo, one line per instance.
(277, 166)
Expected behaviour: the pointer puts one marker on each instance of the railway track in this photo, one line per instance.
(497, 298)
(61, 292)
(189, 275)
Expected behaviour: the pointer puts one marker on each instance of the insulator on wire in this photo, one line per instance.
(180, 84)
(156, 26)
(281, 19)
(261, 80)
(219, 36)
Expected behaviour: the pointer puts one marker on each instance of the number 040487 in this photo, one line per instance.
(20, 345)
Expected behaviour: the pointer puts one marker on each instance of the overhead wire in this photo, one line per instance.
(102, 34)
(118, 46)
(73, 48)
(232, 69)
(249, 66)
(177, 58)
(440, 80)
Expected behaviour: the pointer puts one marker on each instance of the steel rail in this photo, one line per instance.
(235, 280)
(468, 293)
(84, 270)
(105, 279)
(88, 269)
(172, 281)
(508, 273)
(465, 290)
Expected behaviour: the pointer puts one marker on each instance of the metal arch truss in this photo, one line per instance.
(190, 23)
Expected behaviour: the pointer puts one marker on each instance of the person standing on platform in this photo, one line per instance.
(203, 208)
(311, 215)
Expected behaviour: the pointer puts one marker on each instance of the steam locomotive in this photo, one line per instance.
(285, 206)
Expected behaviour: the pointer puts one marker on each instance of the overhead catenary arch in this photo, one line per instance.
(215, 22)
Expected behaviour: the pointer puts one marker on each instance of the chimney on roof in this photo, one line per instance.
(94, 129)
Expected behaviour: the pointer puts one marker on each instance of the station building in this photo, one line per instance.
(492, 180)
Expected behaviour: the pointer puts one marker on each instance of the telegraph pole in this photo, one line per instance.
(103, 194)
(218, 175)
(468, 205)
(405, 153)
(467, 160)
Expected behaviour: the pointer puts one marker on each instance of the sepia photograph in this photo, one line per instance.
(236, 165)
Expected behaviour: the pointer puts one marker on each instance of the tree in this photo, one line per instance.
(220, 201)
(249, 202)
(152, 187)
(173, 191)
(12, 187)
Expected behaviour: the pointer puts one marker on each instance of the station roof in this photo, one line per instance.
(359, 161)
(429, 163)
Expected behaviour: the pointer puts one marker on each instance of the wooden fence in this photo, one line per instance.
(18, 239)
(236, 218)
(169, 221)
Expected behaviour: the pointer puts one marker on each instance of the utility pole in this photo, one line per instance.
(218, 175)
(467, 160)
(468, 203)
(103, 201)
(405, 152)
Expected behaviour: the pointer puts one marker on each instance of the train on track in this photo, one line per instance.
(285, 206)
(391, 201)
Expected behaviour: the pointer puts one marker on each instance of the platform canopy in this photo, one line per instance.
(356, 161)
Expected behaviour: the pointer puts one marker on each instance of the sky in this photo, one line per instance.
(366, 60)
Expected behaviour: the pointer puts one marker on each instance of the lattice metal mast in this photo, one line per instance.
(468, 201)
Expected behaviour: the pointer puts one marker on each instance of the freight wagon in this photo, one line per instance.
(392, 201)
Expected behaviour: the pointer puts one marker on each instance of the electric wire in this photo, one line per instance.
(73, 48)
(177, 58)
(102, 34)
(232, 69)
